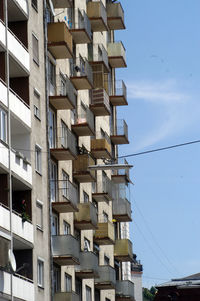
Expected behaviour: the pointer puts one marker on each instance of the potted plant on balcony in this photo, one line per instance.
(25, 217)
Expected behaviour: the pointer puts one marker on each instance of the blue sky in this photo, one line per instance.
(163, 75)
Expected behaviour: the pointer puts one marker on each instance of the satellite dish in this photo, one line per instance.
(12, 261)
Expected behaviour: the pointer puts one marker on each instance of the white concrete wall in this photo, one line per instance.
(137, 280)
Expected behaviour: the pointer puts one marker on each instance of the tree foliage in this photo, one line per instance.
(149, 295)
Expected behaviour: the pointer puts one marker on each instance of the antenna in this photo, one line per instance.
(12, 261)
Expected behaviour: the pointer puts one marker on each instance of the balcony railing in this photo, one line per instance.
(118, 97)
(4, 247)
(88, 268)
(123, 250)
(116, 55)
(62, 3)
(65, 94)
(101, 146)
(107, 278)
(83, 122)
(121, 175)
(100, 104)
(66, 250)
(64, 196)
(86, 217)
(65, 146)
(97, 14)
(103, 191)
(81, 171)
(66, 296)
(22, 5)
(115, 15)
(81, 74)
(59, 40)
(81, 28)
(121, 205)
(104, 235)
(120, 132)
(125, 290)
(99, 56)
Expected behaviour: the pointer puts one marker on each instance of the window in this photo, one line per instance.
(35, 46)
(86, 245)
(78, 288)
(106, 260)
(39, 214)
(56, 279)
(107, 299)
(53, 182)
(52, 129)
(65, 184)
(34, 4)
(105, 217)
(54, 224)
(38, 159)
(88, 293)
(3, 125)
(51, 73)
(68, 283)
(64, 135)
(40, 272)
(36, 104)
(66, 228)
(85, 197)
(63, 88)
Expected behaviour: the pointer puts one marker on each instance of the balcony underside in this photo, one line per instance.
(60, 50)
(122, 217)
(101, 153)
(80, 36)
(84, 177)
(104, 241)
(100, 63)
(61, 103)
(102, 197)
(120, 179)
(82, 129)
(62, 154)
(104, 285)
(85, 225)
(123, 258)
(62, 3)
(64, 260)
(81, 82)
(124, 298)
(117, 62)
(116, 100)
(115, 23)
(86, 274)
(64, 207)
(99, 110)
(98, 24)
(119, 139)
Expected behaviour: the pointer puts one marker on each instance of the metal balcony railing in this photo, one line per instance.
(115, 15)
(123, 250)
(107, 277)
(99, 54)
(79, 67)
(104, 234)
(64, 139)
(81, 22)
(125, 289)
(119, 89)
(124, 173)
(87, 214)
(100, 97)
(121, 128)
(64, 87)
(121, 204)
(88, 264)
(84, 115)
(104, 185)
(116, 49)
(64, 190)
(96, 12)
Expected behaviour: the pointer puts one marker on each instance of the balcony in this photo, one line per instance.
(65, 146)
(81, 28)
(101, 146)
(122, 175)
(116, 55)
(4, 247)
(100, 78)
(120, 133)
(18, 10)
(103, 191)
(65, 95)
(81, 172)
(123, 250)
(86, 217)
(125, 290)
(97, 14)
(65, 197)
(84, 122)
(115, 16)
(100, 105)
(104, 235)
(66, 296)
(121, 205)
(66, 250)
(118, 97)
(88, 268)
(107, 278)
(62, 3)
(21, 166)
(81, 74)
(59, 40)
(99, 56)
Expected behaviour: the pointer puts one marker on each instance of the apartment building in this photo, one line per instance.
(63, 206)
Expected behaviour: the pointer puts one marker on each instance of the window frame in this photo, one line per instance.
(38, 159)
(40, 272)
(39, 204)
(4, 128)
(35, 51)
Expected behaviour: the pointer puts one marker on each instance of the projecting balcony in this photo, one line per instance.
(62, 3)
(66, 296)
(107, 278)
(118, 97)
(65, 146)
(66, 197)
(124, 290)
(81, 28)
(115, 16)
(97, 14)
(100, 78)
(101, 146)
(84, 122)
(66, 250)
(81, 74)
(122, 175)
(120, 133)
(103, 190)
(65, 95)
(88, 268)
(100, 105)
(104, 235)
(121, 205)
(86, 217)
(123, 250)
(18, 10)
(59, 40)
(116, 55)
(99, 56)
(21, 166)
(81, 172)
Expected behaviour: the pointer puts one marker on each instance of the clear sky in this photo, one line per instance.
(163, 79)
